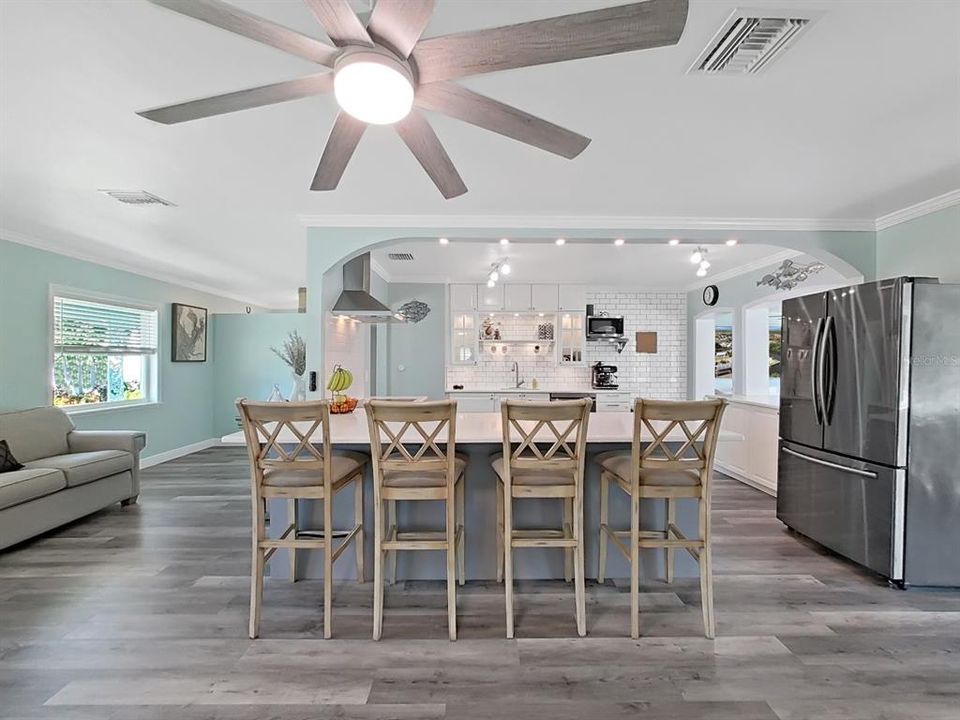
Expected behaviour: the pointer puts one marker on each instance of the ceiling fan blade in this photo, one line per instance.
(316, 84)
(423, 142)
(344, 136)
(398, 24)
(642, 25)
(228, 17)
(458, 102)
(340, 22)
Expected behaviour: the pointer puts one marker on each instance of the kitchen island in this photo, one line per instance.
(479, 436)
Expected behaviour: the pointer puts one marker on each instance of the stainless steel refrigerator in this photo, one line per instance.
(869, 457)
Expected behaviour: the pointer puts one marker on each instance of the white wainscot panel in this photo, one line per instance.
(754, 460)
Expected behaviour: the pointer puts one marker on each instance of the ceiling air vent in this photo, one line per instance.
(747, 43)
(404, 257)
(136, 197)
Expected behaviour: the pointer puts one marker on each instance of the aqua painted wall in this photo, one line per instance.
(245, 365)
(185, 413)
(418, 347)
(927, 245)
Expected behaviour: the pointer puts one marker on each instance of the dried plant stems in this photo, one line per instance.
(293, 353)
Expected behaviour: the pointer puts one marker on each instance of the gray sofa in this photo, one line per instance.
(67, 473)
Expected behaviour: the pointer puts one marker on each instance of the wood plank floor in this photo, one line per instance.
(142, 612)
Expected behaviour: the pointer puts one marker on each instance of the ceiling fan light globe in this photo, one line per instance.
(373, 87)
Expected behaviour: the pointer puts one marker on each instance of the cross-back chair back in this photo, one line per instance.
(699, 421)
(263, 426)
(545, 436)
(412, 437)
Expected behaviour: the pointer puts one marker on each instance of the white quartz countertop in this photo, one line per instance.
(477, 428)
(528, 389)
(767, 401)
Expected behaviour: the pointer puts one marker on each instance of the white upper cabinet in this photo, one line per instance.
(489, 298)
(463, 297)
(573, 298)
(517, 298)
(543, 298)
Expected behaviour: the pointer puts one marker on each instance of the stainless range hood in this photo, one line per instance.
(355, 301)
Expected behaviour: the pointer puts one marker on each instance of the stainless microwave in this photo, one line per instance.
(604, 327)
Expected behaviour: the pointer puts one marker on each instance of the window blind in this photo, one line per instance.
(85, 327)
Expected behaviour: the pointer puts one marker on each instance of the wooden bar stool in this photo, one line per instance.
(657, 471)
(545, 461)
(409, 464)
(305, 472)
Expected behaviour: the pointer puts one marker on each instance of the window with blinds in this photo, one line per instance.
(103, 352)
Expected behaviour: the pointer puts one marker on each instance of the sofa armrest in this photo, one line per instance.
(131, 441)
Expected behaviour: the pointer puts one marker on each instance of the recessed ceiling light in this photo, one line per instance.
(674, 241)
(504, 241)
(731, 242)
(444, 241)
(560, 241)
(516, 314)
(618, 242)
(373, 87)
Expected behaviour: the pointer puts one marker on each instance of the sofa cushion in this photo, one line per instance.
(82, 468)
(37, 433)
(20, 486)
(7, 461)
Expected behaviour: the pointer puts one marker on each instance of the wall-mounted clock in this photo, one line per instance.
(711, 293)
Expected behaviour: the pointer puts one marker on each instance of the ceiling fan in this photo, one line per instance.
(385, 74)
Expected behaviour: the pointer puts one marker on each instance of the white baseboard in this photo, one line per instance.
(759, 483)
(179, 452)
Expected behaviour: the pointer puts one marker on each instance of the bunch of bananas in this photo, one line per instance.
(340, 380)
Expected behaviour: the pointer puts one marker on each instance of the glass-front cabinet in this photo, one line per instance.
(463, 338)
(571, 341)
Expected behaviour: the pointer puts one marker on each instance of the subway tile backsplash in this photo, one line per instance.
(661, 375)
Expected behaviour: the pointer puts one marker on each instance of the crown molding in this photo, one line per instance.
(599, 222)
(919, 209)
(21, 239)
(749, 267)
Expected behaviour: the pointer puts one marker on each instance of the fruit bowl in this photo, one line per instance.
(341, 405)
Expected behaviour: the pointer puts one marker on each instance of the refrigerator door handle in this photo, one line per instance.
(828, 362)
(826, 463)
(815, 384)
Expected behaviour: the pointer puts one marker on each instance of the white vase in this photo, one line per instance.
(298, 393)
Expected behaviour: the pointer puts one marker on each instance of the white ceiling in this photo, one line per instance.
(858, 119)
(595, 262)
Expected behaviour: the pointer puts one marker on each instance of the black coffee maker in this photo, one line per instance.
(605, 376)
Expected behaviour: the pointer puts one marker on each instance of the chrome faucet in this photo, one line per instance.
(517, 382)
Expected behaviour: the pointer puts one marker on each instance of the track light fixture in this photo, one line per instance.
(501, 267)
